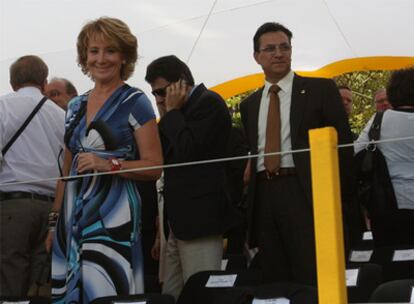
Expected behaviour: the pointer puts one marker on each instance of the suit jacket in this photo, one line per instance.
(315, 103)
(196, 203)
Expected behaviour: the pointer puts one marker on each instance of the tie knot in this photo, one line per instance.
(274, 89)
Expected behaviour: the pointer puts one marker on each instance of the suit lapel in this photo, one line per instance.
(194, 99)
(297, 107)
(253, 110)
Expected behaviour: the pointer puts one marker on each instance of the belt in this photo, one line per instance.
(265, 175)
(4, 196)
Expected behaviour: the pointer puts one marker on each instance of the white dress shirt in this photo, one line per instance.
(399, 155)
(285, 97)
(34, 155)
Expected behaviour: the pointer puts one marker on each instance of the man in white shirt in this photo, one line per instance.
(33, 156)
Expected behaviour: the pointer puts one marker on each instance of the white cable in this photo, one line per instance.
(201, 31)
(200, 162)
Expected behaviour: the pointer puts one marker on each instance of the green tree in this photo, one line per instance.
(363, 84)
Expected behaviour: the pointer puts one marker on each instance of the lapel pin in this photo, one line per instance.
(302, 92)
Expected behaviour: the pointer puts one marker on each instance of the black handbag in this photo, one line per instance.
(374, 188)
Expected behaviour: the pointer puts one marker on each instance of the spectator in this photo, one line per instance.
(97, 245)
(347, 98)
(381, 100)
(396, 228)
(33, 156)
(277, 118)
(195, 125)
(61, 91)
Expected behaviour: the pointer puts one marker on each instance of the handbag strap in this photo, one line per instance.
(23, 126)
(375, 130)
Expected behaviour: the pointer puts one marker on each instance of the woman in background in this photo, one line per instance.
(97, 246)
(396, 228)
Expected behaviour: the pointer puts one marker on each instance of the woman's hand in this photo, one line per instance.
(89, 162)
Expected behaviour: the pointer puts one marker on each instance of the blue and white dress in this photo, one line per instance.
(97, 246)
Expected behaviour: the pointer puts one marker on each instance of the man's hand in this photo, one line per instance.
(176, 95)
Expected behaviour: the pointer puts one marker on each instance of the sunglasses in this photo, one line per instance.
(161, 92)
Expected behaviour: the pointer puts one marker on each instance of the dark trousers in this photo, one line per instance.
(286, 233)
(23, 228)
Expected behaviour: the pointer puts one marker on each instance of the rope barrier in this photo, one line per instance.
(201, 162)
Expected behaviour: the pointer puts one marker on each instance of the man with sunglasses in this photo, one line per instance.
(277, 118)
(195, 126)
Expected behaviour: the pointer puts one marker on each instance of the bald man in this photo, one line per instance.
(61, 91)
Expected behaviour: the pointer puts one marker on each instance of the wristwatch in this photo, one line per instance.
(115, 164)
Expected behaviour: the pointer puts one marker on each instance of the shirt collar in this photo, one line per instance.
(33, 91)
(285, 84)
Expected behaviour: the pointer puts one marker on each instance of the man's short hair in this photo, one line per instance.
(400, 89)
(269, 27)
(170, 68)
(28, 70)
(70, 88)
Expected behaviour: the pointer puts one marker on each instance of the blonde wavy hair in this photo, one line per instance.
(116, 33)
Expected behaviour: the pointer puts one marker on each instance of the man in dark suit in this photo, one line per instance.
(195, 125)
(280, 209)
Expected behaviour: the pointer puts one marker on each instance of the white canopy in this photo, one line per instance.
(213, 36)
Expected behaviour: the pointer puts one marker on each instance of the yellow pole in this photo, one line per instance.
(327, 215)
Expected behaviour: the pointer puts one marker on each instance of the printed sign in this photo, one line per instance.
(403, 255)
(360, 255)
(224, 263)
(221, 280)
(351, 277)
(271, 301)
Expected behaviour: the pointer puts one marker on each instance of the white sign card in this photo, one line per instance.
(271, 301)
(367, 236)
(403, 255)
(224, 263)
(226, 280)
(351, 277)
(360, 255)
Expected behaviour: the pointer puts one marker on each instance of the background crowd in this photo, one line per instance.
(117, 218)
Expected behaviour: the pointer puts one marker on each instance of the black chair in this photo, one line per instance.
(394, 292)
(294, 293)
(368, 278)
(147, 298)
(396, 262)
(196, 290)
